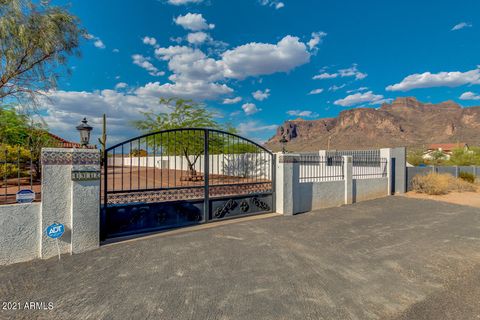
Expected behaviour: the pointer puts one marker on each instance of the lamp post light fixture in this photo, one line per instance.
(84, 130)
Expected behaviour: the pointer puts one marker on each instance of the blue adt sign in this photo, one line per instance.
(55, 230)
(25, 196)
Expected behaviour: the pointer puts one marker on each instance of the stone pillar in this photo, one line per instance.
(287, 177)
(348, 178)
(457, 171)
(397, 178)
(386, 153)
(70, 196)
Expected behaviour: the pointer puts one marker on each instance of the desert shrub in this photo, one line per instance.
(438, 184)
(467, 176)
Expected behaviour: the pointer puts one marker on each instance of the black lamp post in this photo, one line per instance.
(84, 130)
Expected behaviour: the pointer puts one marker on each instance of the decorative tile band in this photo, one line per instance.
(73, 157)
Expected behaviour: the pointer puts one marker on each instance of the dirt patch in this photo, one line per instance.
(463, 198)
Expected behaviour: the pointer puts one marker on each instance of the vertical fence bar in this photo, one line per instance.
(146, 163)
(123, 156)
(138, 164)
(114, 160)
(175, 158)
(5, 167)
(206, 200)
(154, 159)
(18, 168)
(168, 158)
(105, 179)
(31, 170)
(131, 165)
(161, 160)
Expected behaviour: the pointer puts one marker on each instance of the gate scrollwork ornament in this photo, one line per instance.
(227, 207)
(260, 204)
(244, 206)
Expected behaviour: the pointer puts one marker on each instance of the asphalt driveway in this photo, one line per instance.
(392, 258)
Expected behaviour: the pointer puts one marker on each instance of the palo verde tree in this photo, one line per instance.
(187, 143)
(35, 40)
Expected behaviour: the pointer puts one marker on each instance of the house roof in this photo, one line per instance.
(65, 143)
(447, 146)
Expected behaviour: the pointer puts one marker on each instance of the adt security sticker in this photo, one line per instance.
(55, 230)
(25, 196)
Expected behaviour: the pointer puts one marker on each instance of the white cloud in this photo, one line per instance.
(261, 95)
(245, 128)
(441, 79)
(461, 25)
(336, 88)
(325, 76)
(172, 51)
(358, 98)
(192, 68)
(272, 3)
(193, 22)
(303, 113)
(150, 41)
(255, 59)
(317, 38)
(469, 96)
(143, 62)
(121, 85)
(197, 37)
(232, 100)
(183, 2)
(115, 50)
(358, 90)
(195, 90)
(352, 72)
(189, 64)
(64, 109)
(250, 108)
(98, 43)
(343, 73)
(316, 91)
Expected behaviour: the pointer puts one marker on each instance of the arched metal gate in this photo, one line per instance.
(180, 177)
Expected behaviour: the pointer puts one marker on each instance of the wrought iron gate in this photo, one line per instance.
(180, 177)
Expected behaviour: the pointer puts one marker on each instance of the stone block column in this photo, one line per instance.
(70, 196)
(287, 177)
(348, 178)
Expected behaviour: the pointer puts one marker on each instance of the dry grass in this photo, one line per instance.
(437, 184)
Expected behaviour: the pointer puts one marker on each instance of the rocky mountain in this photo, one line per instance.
(404, 122)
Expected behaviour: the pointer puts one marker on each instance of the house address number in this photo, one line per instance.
(85, 175)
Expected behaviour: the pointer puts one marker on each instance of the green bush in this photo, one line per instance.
(14, 153)
(8, 171)
(466, 176)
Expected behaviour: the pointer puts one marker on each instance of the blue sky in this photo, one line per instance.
(260, 62)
